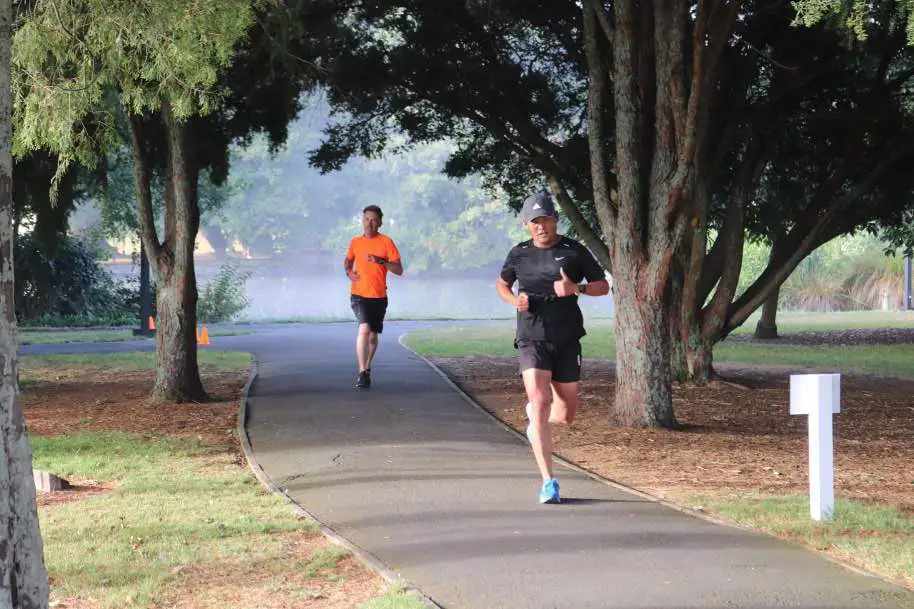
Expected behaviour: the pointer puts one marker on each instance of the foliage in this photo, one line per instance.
(812, 133)
(900, 236)
(115, 198)
(281, 206)
(34, 207)
(223, 297)
(69, 56)
(115, 320)
(860, 17)
(851, 273)
(71, 283)
(437, 223)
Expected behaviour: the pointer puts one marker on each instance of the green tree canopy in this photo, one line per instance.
(861, 17)
(652, 123)
(76, 61)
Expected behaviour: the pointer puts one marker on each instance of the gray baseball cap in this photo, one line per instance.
(537, 206)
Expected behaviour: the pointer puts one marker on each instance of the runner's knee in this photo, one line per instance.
(541, 399)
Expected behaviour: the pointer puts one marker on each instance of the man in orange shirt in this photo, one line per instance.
(369, 258)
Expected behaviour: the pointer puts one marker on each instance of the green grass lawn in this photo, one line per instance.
(177, 509)
(796, 321)
(879, 537)
(54, 337)
(32, 337)
(133, 361)
(124, 546)
(893, 360)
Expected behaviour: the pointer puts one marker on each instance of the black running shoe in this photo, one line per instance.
(364, 380)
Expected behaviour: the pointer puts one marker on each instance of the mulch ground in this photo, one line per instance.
(734, 438)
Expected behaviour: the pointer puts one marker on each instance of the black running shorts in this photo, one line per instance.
(369, 311)
(563, 359)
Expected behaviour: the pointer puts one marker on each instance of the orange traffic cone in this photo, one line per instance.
(152, 323)
(203, 336)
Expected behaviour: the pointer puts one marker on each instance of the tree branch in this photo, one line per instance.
(711, 270)
(835, 221)
(141, 183)
(597, 99)
(580, 223)
(714, 315)
(599, 12)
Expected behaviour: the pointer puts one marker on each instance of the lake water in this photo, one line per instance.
(327, 296)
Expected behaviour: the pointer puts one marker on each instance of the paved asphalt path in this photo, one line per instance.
(431, 487)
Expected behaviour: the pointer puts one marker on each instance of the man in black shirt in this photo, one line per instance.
(549, 270)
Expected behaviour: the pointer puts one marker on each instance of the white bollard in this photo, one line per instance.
(818, 396)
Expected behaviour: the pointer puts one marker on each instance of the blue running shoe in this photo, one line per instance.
(550, 492)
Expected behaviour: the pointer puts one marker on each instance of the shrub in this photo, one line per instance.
(224, 296)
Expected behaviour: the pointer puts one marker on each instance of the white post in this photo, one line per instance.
(819, 396)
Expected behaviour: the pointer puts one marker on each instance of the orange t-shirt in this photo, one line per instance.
(372, 281)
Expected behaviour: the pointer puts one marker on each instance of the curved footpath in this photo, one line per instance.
(433, 490)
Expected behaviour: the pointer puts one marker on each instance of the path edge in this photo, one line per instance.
(365, 557)
(631, 490)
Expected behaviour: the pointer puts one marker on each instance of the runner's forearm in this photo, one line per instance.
(594, 288)
(394, 267)
(505, 293)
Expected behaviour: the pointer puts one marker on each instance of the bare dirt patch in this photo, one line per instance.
(285, 584)
(733, 440)
(100, 400)
(79, 489)
(69, 401)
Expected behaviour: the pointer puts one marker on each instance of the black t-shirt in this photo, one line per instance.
(535, 269)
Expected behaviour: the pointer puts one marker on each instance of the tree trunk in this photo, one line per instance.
(177, 373)
(145, 292)
(643, 383)
(23, 578)
(767, 326)
(700, 357)
(679, 367)
(691, 355)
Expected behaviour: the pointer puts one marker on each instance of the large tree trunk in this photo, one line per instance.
(654, 179)
(643, 383)
(177, 372)
(23, 578)
(662, 60)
